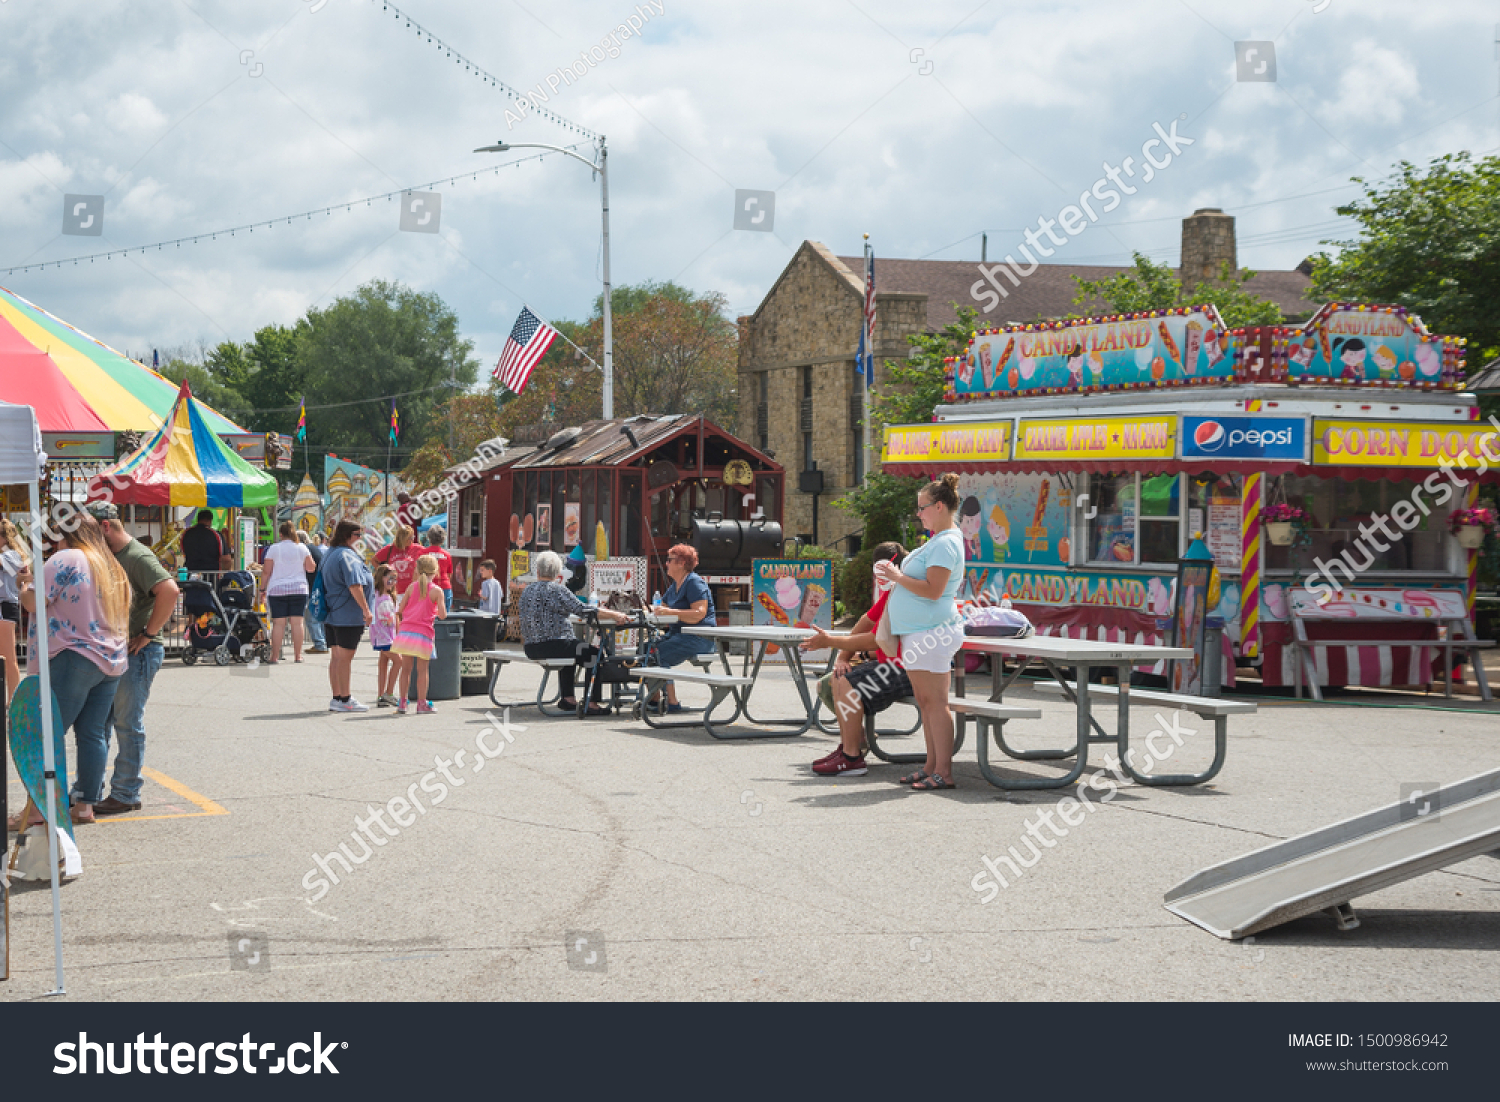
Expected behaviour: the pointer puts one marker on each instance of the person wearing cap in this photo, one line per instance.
(153, 598)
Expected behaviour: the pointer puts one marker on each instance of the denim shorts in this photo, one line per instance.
(293, 604)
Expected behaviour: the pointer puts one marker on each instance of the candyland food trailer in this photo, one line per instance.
(1092, 451)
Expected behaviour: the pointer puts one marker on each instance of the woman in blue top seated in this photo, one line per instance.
(692, 602)
(924, 615)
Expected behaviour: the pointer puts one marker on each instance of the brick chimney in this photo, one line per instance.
(1207, 241)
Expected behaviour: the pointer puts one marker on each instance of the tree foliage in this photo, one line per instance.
(675, 352)
(383, 339)
(915, 386)
(1430, 241)
(1152, 286)
(476, 418)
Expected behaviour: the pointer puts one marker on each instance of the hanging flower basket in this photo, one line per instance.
(1279, 532)
(1470, 526)
(1471, 537)
(1280, 521)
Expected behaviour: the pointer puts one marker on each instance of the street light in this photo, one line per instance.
(602, 168)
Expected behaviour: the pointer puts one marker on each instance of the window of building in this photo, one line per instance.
(1337, 508)
(1139, 518)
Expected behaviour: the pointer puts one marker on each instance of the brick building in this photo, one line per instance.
(799, 395)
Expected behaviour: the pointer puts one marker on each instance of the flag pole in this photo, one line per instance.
(867, 374)
(390, 440)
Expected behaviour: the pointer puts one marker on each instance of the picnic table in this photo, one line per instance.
(1055, 654)
(741, 686)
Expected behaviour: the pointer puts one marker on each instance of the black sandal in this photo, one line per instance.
(567, 705)
(933, 782)
(598, 710)
(916, 777)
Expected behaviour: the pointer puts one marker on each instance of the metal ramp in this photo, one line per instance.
(1328, 868)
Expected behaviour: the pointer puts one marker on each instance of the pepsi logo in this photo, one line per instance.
(1209, 436)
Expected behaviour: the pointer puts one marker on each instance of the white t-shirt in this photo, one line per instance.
(285, 569)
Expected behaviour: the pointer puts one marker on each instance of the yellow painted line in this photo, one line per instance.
(208, 806)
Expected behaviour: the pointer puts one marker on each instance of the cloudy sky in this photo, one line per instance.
(920, 124)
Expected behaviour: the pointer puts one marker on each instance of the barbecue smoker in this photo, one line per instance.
(726, 547)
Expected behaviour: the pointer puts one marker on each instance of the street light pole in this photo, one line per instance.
(602, 168)
(609, 336)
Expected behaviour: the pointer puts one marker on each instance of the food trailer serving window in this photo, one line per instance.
(1336, 508)
(1138, 518)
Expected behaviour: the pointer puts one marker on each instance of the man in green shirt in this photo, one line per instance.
(153, 597)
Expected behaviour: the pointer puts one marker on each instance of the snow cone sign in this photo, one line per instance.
(792, 593)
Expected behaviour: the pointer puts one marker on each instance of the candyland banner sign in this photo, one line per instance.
(792, 593)
(1382, 344)
(1168, 348)
(1147, 594)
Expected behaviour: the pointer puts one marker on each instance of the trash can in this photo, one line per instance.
(739, 617)
(443, 682)
(479, 636)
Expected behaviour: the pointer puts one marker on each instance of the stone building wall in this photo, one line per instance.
(809, 321)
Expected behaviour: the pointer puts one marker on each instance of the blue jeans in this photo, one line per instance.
(129, 723)
(315, 631)
(85, 695)
(677, 648)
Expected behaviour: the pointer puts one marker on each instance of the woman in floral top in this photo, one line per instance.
(546, 605)
(88, 605)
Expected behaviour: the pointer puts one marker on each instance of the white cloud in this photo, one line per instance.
(150, 105)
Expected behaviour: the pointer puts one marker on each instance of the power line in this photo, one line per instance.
(340, 405)
(214, 235)
(528, 98)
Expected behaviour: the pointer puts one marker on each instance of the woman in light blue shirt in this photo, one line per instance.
(924, 615)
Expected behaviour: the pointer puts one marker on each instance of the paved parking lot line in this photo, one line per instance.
(207, 806)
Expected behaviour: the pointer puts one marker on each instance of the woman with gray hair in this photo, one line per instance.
(546, 605)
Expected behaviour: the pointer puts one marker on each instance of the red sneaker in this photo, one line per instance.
(835, 752)
(840, 764)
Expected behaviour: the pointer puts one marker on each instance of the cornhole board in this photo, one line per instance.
(1326, 869)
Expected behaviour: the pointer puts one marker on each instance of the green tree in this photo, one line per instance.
(1430, 241)
(1152, 286)
(385, 339)
(476, 418)
(912, 391)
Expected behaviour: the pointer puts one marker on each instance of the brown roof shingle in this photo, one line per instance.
(1047, 293)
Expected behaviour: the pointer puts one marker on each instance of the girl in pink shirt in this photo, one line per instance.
(421, 604)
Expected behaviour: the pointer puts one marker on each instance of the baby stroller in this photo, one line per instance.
(222, 620)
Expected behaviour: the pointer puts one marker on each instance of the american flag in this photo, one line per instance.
(527, 344)
(866, 361)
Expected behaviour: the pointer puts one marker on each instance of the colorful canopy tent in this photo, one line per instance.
(184, 463)
(22, 461)
(122, 394)
(30, 377)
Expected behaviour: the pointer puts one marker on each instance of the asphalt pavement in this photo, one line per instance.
(561, 859)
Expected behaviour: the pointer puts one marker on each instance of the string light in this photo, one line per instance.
(513, 93)
(213, 235)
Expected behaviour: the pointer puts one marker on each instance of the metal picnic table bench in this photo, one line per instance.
(1055, 653)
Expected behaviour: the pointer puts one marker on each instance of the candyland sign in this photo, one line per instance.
(1179, 347)
(1372, 344)
(1147, 594)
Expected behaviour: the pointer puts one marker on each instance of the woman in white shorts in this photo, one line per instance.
(924, 615)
